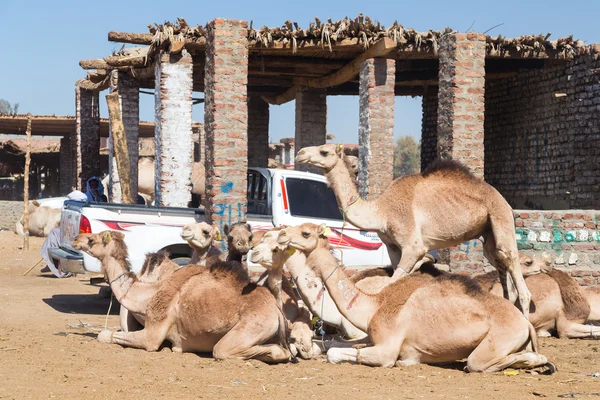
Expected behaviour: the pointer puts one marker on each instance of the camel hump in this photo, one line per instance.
(158, 306)
(230, 270)
(153, 260)
(488, 280)
(447, 167)
(469, 286)
(367, 273)
(575, 304)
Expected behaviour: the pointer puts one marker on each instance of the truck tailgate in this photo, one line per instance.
(69, 227)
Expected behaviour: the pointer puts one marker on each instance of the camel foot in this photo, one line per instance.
(544, 334)
(406, 363)
(177, 350)
(547, 369)
(105, 336)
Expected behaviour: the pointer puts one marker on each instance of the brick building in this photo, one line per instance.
(521, 113)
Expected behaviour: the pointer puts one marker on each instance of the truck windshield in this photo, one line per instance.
(311, 199)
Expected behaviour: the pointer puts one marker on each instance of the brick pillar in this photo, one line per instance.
(226, 121)
(461, 99)
(87, 136)
(66, 175)
(258, 132)
(429, 126)
(461, 109)
(311, 122)
(376, 126)
(174, 151)
(129, 98)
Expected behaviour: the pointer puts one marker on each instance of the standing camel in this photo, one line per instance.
(442, 207)
(421, 319)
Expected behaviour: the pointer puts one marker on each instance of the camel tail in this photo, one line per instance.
(284, 339)
(533, 337)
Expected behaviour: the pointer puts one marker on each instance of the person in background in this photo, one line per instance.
(95, 190)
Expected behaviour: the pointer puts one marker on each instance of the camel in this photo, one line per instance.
(196, 308)
(419, 213)
(449, 319)
(200, 237)
(42, 219)
(559, 303)
(269, 254)
(239, 237)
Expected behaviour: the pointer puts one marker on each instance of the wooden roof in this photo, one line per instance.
(52, 125)
(282, 57)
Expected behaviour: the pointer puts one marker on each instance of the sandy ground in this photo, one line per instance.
(44, 354)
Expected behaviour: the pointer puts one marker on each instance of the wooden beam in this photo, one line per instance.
(120, 145)
(380, 49)
(120, 61)
(288, 95)
(93, 64)
(127, 37)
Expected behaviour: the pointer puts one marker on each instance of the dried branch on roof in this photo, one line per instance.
(96, 86)
(530, 45)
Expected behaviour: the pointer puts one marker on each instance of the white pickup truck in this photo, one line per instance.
(275, 197)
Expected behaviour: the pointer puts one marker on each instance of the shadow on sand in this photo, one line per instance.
(82, 304)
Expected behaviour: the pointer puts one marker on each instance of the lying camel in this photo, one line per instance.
(410, 322)
(196, 308)
(269, 254)
(42, 219)
(558, 303)
(442, 207)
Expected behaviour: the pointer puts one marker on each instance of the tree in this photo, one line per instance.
(6, 108)
(407, 156)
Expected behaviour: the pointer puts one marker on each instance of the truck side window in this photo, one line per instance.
(308, 198)
(257, 194)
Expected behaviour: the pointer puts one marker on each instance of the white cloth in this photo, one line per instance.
(53, 240)
(77, 195)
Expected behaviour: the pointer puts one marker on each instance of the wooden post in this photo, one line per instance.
(120, 144)
(26, 186)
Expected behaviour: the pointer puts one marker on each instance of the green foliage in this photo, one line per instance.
(407, 156)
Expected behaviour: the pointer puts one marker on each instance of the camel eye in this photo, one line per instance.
(250, 239)
(275, 250)
(305, 235)
(206, 233)
(324, 153)
(529, 263)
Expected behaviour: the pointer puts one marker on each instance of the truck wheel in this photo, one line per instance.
(181, 261)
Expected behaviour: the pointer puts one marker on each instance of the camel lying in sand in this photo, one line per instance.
(558, 303)
(442, 207)
(410, 322)
(42, 220)
(196, 308)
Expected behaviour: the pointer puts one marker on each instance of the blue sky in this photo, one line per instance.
(44, 41)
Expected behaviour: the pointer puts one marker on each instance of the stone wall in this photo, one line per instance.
(10, 211)
(570, 237)
(429, 127)
(258, 132)
(311, 122)
(542, 136)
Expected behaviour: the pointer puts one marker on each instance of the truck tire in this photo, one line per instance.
(181, 261)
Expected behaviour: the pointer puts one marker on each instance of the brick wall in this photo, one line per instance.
(226, 121)
(258, 132)
(311, 122)
(376, 126)
(429, 127)
(461, 99)
(570, 237)
(174, 144)
(67, 176)
(86, 162)
(10, 212)
(542, 136)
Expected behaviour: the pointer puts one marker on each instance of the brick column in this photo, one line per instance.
(429, 126)
(174, 149)
(461, 99)
(258, 132)
(87, 136)
(226, 121)
(376, 126)
(66, 175)
(311, 122)
(129, 98)
(461, 108)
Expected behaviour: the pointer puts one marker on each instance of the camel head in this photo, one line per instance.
(325, 156)
(200, 235)
(301, 336)
(268, 252)
(306, 237)
(352, 165)
(239, 237)
(535, 265)
(100, 245)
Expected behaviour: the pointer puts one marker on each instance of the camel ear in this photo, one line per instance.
(106, 237)
(339, 150)
(249, 228)
(216, 233)
(324, 230)
(226, 229)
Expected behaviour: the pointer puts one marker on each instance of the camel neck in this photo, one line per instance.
(360, 213)
(274, 281)
(127, 289)
(199, 256)
(356, 306)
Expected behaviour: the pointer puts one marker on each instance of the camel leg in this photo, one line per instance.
(128, 321)
(524, 360)
(150, 338)
(410, 257)
(572, 330)
(376, 356)
(243, 342)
